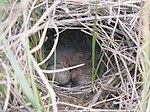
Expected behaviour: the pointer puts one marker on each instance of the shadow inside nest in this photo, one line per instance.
(73, 48)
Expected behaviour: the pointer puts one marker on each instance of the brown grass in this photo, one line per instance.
(118, 27)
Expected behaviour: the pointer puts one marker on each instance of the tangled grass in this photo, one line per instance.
(122, 32)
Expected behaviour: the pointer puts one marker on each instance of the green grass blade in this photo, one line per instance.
(19, 75)
(145, 57)
(93, 43)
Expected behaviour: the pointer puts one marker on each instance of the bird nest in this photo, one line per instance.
(27, 28)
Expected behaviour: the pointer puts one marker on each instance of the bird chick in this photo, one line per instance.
(62, 78)
(67, 57)
(80, 76)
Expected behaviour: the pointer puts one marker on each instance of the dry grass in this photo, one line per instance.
(23, 84)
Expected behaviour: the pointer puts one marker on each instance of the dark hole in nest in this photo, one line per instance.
(73, 48)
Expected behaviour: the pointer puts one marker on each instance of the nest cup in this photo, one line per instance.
(73, 48)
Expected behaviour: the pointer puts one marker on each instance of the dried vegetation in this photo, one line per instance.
(23, 83)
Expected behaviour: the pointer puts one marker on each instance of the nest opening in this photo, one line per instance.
(74, 47)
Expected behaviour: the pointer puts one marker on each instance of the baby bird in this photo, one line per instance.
(62, 78)
(81, 76)
(67, 57)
